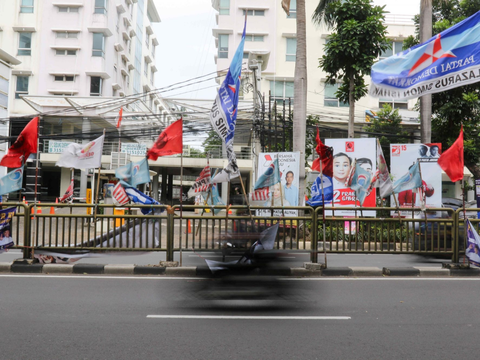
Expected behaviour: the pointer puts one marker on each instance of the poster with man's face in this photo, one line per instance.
(6, 239)
(286, 192)
(345, 151)
(402, 157)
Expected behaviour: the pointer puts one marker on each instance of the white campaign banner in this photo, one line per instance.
(345, 151)
(402, 157)
(284, 193)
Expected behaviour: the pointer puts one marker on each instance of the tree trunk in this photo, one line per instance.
(426, 100)
(351, 109)
(300, 95)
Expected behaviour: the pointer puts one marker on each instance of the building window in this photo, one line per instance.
(4, 85)
(154, 48)
(63, 52)
(293, 10)
(64, 78)
(330, 97)
(98, 44)
(291, 49)
(26, 6)
(66, 34)
(281, 90)
(68, 9)
(147, 40)
(245, 55)
(258, 38)
(22, 86)
(396, 48)
(100, 7)
(25, 44)
(224, 7)
(223, 46)
(145, 67)
(254, 12)
(395, 104)
(95, 86)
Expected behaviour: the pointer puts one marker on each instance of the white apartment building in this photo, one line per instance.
(79, 47)
(74, 57)
(271, 38)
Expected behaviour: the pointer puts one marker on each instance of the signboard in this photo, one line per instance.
(57, 147)
(134, 149)
(89, 201)
(6, 239)
(284, 193)
(345, 151)
(402, 156)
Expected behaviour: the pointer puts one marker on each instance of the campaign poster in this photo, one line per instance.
(402, 157)
(6, 239)
(285, 193)
(345, 151)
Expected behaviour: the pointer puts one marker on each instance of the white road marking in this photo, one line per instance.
(246, 317)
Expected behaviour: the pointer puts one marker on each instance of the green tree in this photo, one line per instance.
(213, 143)
(358, 38)
(386, 126)
(461, 105)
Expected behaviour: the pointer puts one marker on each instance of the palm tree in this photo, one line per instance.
(319, 14)
(300, 94)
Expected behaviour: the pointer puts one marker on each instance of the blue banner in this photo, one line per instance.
(361, 183)
(411, 180)
(12, 181)
(473, 245)
(446, 61)
(316, 191)
(140, 198)
(270, 177)
(6, 239)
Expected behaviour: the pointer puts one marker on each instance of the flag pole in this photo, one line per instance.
(73, 179)
(97, 189)
(209, 192)
(323, 215)
(181, 199)
(424, 209)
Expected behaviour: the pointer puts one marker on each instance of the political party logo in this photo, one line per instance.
(433, 52)
(396, 150)
(349, 146)
(135, 170)
(268, 161)
(362, 180)
(15, 175)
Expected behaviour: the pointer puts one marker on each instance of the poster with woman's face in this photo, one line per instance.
(345, 152)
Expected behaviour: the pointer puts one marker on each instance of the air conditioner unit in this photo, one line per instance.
(186, 150)
(119, 159)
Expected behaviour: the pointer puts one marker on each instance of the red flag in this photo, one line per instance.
(119, 117)
(119, 195)
(25, 145)
(325, 153)
(451, 161)
(169, 142)
(68, 197)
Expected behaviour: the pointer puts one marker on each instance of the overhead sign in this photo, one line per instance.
(134, 149)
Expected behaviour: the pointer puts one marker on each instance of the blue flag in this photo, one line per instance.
(473, 244)
(223, 115)
(270, 177)
(215, 199)
(134, 173)
(446, 61)
(411, 180)
(361, 181)
(316, 191)
(12, 181)
(140, 198)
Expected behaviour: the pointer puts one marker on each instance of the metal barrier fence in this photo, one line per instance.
(69, 227)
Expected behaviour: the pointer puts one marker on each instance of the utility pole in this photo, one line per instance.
(256, 67)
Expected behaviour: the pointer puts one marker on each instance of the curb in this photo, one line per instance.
(25, 267)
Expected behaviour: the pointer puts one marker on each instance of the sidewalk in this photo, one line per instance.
(309, 270)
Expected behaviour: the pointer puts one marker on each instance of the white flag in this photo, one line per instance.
(81, 156)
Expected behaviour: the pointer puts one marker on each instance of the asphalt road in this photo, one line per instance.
(80, 317)
(190, 258)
